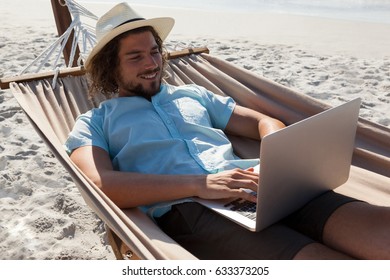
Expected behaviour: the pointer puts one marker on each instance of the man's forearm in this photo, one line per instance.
(127, 189)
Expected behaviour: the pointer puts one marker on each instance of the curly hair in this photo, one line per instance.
(103, 69)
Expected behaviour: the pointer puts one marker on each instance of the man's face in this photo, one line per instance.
(140, 65)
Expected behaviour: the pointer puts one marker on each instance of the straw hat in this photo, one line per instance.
(123, 18)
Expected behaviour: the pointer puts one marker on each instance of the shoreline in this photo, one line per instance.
(324, 36)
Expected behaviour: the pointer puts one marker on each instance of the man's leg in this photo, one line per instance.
(209, 236)
(359, 229)
(318, 251)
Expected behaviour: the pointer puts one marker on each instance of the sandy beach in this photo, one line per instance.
(43, 215)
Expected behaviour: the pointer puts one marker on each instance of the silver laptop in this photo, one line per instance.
(297, 163)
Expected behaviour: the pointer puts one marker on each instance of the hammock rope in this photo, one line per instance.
(84, 38)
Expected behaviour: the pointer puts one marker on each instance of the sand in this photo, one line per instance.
(42, 213)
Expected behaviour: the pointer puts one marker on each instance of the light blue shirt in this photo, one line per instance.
(179, 132)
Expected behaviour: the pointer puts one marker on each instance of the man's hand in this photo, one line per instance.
(230, 183)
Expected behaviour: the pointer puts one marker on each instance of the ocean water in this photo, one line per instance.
(361, 10)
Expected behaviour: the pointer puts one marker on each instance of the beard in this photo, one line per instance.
(131, 88)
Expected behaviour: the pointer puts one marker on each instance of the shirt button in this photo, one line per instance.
(169, 122)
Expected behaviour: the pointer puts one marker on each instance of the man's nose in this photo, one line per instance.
(151, 62)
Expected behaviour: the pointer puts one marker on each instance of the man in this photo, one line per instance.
(155, 146)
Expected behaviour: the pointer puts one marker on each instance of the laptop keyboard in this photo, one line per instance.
(243, 207)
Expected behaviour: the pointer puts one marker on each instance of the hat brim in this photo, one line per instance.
(162, 26)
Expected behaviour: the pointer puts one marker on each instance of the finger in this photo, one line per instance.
(244, 172)
(244, 184)
(248, 175)
(241, 193)
(250, 197)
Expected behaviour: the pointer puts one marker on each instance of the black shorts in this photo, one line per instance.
(208, 235)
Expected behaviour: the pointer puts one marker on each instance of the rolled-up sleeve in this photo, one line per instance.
(87, 131)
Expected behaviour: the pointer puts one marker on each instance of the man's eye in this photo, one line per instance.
(134, 57)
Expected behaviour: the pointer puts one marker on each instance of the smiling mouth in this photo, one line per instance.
(150, 75)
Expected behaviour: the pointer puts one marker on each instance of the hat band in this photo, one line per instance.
(131, 20)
